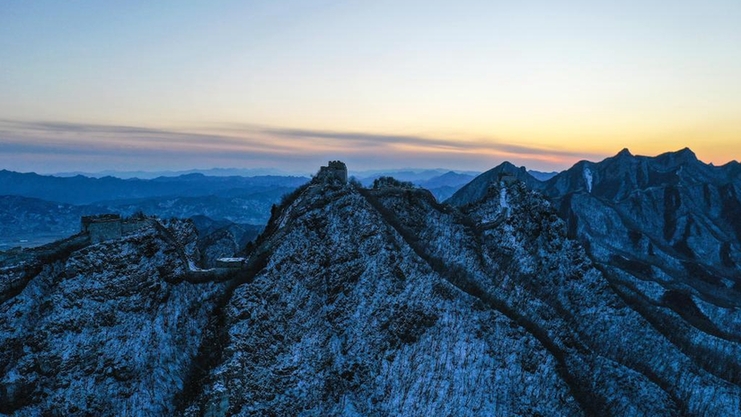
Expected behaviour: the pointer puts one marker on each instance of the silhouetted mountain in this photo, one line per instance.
(542, 176)
(443, 186)
(450, 178)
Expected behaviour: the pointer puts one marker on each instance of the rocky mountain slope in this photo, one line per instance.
(671, 207)
(670, 218)
(107, 329)
(346, 318)
(664, 231)
(368, 301)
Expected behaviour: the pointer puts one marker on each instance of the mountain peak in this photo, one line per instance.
(478, 187)
(506, 165)
(686, 153)
(676, 158)
(509, 167)
(624, 152)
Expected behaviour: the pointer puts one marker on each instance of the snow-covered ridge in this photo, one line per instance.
(503, 196)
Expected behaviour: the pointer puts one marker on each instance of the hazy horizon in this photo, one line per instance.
(268, 170)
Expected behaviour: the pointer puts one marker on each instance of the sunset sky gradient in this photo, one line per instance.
(97, 85)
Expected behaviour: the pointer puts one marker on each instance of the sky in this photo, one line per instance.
(141, 85)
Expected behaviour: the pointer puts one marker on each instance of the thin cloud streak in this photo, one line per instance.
(77, 136)
(237, 145)
(448, 144)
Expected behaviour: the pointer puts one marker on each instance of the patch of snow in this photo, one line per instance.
(503, 198)
(193, 268)
(192, 265)
(231, 259)
(588, 179)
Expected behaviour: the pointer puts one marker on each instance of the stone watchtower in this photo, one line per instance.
(335, 170)
(102, 227)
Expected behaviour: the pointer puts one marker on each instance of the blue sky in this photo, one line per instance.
(174, 85)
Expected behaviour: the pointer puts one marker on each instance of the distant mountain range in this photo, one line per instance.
(212, 172)
(542, 176)
(409, 174)
(37, 209)
(86, 190)
(441, 183)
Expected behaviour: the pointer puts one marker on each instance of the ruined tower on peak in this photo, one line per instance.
(335, 170)
(104, 227)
